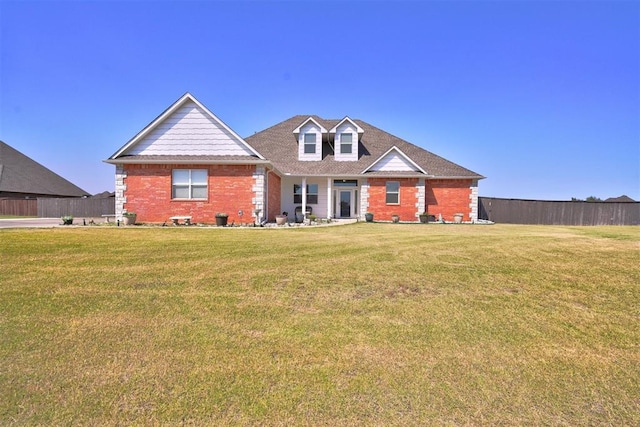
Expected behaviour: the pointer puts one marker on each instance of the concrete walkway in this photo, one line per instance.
(30, 222)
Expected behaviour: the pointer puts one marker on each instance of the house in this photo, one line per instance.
(188, 162)
(621, 199)
(24, 178)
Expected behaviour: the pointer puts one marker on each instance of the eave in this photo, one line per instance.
(190, 161)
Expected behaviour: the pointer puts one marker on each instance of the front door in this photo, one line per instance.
(345, 203)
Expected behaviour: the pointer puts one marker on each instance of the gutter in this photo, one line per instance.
(187, 162)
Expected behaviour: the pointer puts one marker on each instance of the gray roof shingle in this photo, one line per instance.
(22, 175)
(280, 146)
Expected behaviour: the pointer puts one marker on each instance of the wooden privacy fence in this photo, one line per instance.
(19, 207)
(518, 211)
(86, 207)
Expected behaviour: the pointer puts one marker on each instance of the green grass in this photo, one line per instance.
(367, 324)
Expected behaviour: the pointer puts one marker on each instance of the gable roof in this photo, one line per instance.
(21, 175)
(185, 131)
(346, 119)
(394, 154)
(279, 144)
(309, 119)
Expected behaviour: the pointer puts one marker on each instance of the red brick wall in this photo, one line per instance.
(275, 201)
(377, 199)
(443, 196)
(230, 189)
(447, 197)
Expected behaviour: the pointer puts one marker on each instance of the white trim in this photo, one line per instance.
(185, 161)
(335, 128)
(168, 112)
(322, 128)
(386, 192)
(329, 197)
(394, 148)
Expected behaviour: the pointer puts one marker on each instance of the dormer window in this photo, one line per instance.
(346, 135)
(309, 136)
(309, 143)
(346, 143)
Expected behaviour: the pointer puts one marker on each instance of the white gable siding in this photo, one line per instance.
(310, 127)
(393, 162)
(346, 127)
(190, 131)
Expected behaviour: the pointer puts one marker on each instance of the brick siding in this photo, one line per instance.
(447, 197)
(230, 189)
(407, 209)
(442, 196)
(275, 201)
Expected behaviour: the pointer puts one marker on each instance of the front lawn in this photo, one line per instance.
(365, 324)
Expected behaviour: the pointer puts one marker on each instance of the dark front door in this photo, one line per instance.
(345, 204)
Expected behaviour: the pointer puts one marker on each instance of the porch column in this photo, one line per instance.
(329, 199)
(304, 197)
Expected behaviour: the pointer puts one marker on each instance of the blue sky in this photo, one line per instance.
(541, 97)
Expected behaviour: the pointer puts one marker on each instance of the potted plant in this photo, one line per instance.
(312, 218)
(395, 217)
(281, 219)
(457, 218)
(368, 217)
(221, 219)
(67, 220)
(129, 218)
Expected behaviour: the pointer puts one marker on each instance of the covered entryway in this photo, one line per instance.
(345, 198)
(345, 204)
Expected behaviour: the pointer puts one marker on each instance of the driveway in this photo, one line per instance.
(30, 222)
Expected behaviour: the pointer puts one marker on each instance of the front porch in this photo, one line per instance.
(324, 197)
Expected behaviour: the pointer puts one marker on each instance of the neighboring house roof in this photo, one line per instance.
(622, 198)
(280, 145)
(185, 129)
(21, 175)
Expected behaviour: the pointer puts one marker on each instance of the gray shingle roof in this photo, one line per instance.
(20, 174)
(621, 199)
(280, 146)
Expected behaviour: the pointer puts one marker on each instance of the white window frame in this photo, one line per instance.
(309, 144)
(392, 193)
(348, 144)
(191, 184)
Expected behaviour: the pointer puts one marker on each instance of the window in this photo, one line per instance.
(189, 184)
(309, 143)
(346, 140)
(393, 193)
(312, 194)
(345, 182)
